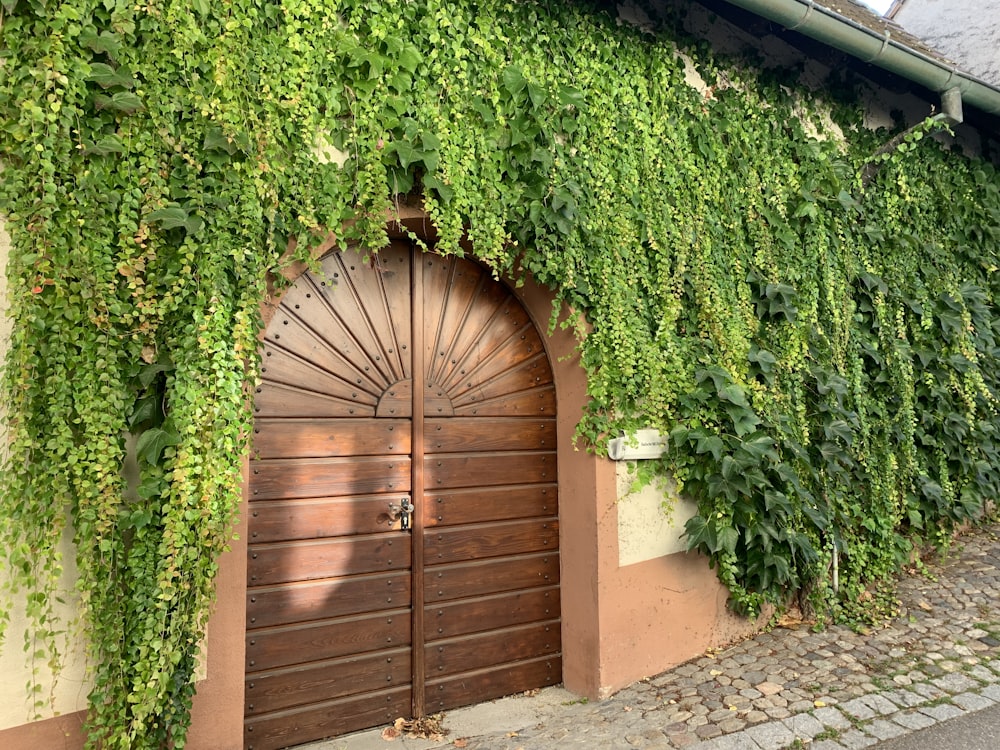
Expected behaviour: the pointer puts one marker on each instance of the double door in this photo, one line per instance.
(403, 532)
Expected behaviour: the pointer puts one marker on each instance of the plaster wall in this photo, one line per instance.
(650, 519)
(58, 722)
(67, 694)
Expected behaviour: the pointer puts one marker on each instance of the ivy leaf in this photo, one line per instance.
(153, 442)
(104, 43)
(537, 95)
(409, 57)
(217, 140)
(733, 394)
(105, 76)
(570, 96)
(201, 7)
(726, 539)
(513, 80)
(122, 101)
(445, 192)
(838, 429)
(109, 144)
(699, 532)
(169, 218)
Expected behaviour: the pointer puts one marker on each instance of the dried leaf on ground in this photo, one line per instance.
(426, 728)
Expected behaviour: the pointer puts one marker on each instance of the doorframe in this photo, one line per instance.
(582, 477)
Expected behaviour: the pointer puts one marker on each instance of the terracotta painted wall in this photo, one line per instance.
(622, 623)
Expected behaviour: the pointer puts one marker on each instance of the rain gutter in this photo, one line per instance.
(879, 48)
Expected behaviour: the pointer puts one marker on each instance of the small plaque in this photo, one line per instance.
(644, 444)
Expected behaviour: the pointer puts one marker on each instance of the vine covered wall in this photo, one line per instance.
(821, 349)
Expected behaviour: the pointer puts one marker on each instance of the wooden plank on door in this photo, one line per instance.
(479, 541)
(316, 681)
(277, 400)
(306, 560)
(478, 504)
(288, 478)
(481, 577)
(328, 438)
(479, 614)
(465, 434)
(320, 600)
(447, 470)
(283, 646)
(318, 517)
(283, 729)
(506, 679)
(534, 402)
(473, 652)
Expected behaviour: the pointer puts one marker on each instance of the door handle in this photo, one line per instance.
(401, 513)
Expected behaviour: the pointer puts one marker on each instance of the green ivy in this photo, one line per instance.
(812, 317)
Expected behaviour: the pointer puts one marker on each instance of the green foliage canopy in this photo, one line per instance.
(823, 353)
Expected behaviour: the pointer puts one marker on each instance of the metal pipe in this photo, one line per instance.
(828, 26)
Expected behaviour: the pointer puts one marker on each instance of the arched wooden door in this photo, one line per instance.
(352, 619)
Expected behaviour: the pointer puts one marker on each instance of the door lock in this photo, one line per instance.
(401, 513)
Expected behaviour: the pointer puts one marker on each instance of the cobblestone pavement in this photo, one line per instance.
(789, 688)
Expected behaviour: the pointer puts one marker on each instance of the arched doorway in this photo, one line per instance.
(408, 378)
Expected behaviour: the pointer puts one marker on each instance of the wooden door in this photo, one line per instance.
(352, 619)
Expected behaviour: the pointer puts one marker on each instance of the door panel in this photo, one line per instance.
(444, 545)
(446, 582)
(321, 680)
(295, 644)
(317, 600)
(485, 684)
(328, 438)
(492, 612)
(316, 518)
(445, 471)
(277, 479)
(314, 721)
(450, 507)
(485, 434)
(358, 613)
(467, 653)
(330, 558)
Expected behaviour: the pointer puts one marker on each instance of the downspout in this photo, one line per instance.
(870, 46)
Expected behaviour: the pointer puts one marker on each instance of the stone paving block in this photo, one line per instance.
(879, 704)
(972, 701)
(982, 673)
(884, 730)
(738, 741)
(804, 726)
(771, 736)
(905, 698)
(991, 691)
(831, 717)
(913, 720)
(858, 709)
(826, 745)
(930, 692)
(942, 712)
(955, 683)
(855, 740)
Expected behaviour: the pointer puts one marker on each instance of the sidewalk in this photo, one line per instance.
(784, 689)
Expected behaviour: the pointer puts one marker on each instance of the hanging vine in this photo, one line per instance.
(823, 352)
